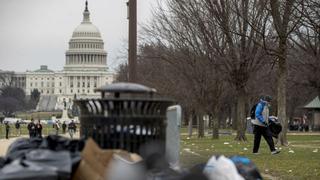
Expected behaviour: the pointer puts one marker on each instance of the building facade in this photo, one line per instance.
(85, 67)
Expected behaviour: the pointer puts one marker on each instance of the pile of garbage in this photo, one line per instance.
(60, 158)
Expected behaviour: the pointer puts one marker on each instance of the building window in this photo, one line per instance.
(48, 84)
(30, 84)
(60, 83)
(42, 84)
(36, 84)
(52, 84)
(88, 84)
(78, 91)
(60, 91)
(47, 91)
(71, 90)
(83, 84)
(88, 91)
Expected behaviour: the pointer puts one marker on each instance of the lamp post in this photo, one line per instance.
(132, 58)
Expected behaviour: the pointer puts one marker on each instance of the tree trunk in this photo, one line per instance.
(215, 127)
(190, 125)
(241, 117)
(215, 124)
(281, 93)
(234, 116)
(200, 126)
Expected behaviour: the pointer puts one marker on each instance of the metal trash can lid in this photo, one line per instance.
(122, 87)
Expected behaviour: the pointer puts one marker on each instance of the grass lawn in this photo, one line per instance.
(46, 129)
(300, 160)
(38, 115)
(297, 161)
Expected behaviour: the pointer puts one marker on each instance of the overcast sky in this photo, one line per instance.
(36, 32)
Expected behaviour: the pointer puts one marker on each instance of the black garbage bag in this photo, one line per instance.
(58, 143)
(39, 164)
(275, 127)
(246, 168)
(3, 162)
(23, 148)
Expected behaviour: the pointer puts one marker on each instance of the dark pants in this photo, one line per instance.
(7, 133)
(266, 133)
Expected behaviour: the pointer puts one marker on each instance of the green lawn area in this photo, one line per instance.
(46, 129)
(297, 161)
(38, 115)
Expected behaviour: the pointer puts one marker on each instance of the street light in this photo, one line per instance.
(132, 58)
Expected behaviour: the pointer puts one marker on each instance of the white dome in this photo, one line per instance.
(86, 30)
(86, 47)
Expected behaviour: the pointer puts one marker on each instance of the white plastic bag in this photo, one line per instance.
(221, 168)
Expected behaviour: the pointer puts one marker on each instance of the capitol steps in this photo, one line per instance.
(47, 103)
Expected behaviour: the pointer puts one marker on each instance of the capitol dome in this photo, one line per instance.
(86, 28)
(86, 47)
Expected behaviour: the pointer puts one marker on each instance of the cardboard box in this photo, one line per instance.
(95, 161)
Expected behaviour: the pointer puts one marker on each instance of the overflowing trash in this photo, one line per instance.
(59, 158)
(53, 157)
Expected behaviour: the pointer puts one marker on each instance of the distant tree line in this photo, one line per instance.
(215, 57)
(13, 99)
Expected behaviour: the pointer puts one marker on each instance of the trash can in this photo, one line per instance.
(126, 116)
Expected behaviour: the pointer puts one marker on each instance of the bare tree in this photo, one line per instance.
(306, 43)
(284, 19)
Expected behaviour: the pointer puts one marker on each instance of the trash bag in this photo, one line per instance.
(275, 126)
(22, 146)
(58, 143)
(246, 168)
(20, 152)
(39, 164)
(221, 168)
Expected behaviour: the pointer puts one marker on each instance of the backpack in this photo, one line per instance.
(253, 111)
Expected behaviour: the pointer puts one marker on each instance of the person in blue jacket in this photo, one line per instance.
(260, 125)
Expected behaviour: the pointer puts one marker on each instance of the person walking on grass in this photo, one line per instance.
(18, 130)
(7, 126)
(64, 127)
(39, 129)
(32, 129)
(260, 125)
(57, 126)
(72, 128)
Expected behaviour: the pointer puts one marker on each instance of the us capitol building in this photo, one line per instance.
(85, 69)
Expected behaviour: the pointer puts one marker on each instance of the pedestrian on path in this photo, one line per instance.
(18, 129)
(261, 123)
(39, 129)
(64, 127)
(32, 129)
(7, 129)
(72, 128)
(57, 126)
